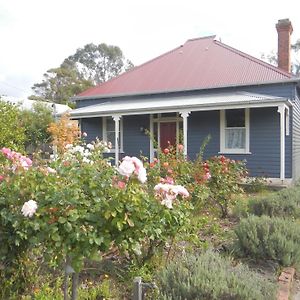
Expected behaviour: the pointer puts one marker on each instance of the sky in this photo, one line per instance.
(36, 35)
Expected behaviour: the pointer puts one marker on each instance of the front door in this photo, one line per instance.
(167, 134)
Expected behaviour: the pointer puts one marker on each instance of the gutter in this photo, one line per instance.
(199, 107)
(290, 80)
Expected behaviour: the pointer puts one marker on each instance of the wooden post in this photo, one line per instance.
(117, 139)
(184, 115)
(137, 289)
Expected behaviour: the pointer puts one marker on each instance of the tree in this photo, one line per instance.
(12, 134)
(296, 64)
(90, 65)
(35, 123)
(272, 59)
(99, 63)
(59, 85)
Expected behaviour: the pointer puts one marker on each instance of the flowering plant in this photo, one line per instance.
(78, 206)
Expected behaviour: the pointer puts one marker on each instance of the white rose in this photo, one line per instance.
(142, 175)
(90, 146)
(29, 208)
(50, 170)
(179, 189)
(167, 202)
(126, 168)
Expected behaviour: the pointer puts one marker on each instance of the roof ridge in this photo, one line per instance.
(201, 38)
(259, 61)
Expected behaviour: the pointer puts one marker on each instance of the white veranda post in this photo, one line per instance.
(117, 118)
(184, 115)
(283, 132)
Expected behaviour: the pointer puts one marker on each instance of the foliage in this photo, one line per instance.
(78, 206)
(59, 85)
(87, 291)
(217, 178)
(226, 174)
(295, 68)
(210, 276)
(36, 122)
(285, 203)
(12, 132)
(269, 238)
(64, 132)
(98, 63)
(90, 65)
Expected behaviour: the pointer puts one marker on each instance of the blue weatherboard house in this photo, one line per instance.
(250, 109)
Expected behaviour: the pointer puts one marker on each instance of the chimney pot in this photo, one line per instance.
(284, 29)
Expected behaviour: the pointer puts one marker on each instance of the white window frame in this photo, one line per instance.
(223, 149)
(158, 120)
(104, 133)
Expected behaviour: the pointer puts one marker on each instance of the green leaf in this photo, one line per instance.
(98, 240)
(62, 220)
(55, 237)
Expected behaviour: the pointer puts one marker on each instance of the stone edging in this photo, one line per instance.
(285, 283)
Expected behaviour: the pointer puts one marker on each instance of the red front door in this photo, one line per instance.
(167, 134)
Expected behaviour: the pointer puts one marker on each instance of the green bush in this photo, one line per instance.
(210, 276)
(285, 203)
(269, 238)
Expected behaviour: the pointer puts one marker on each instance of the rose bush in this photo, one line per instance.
(78, 206)
(215, 180)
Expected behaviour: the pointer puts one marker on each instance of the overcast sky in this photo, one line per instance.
(36, 35)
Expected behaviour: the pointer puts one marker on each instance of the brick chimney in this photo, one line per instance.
(284, 29)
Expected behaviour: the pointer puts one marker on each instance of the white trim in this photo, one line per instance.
(224, 150)
(176, 104)
(151, 138)
(104, 133)
(161, 119)
(287, 120)
(184, 115)
(281, 111)
(117, 118)
(176, 109)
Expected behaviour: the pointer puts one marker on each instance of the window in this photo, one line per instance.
(234, 125)
(109, 132)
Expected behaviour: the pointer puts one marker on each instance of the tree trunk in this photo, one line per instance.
(66, 279)
(75, 278)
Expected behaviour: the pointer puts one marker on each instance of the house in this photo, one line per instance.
(250, 109)
(27, 104)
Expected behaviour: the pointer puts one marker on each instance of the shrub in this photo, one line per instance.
(210, 276)
(285, 203)
(226, 174)
(269, 238)
(12, 132)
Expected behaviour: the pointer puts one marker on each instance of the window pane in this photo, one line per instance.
(235, 118)
(235, 138)
(111, 138)
(155, 132)
(110, 124)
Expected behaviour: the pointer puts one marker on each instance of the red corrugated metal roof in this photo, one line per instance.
(198, 64)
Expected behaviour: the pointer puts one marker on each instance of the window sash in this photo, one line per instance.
(109, 132)
(235, 138)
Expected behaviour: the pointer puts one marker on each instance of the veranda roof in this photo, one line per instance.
(178, 104)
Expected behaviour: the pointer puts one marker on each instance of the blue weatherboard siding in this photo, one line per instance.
(200, 125)
(264, 140)
(264, 130)
(296, 138)
(135, 141)
(93, 128)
